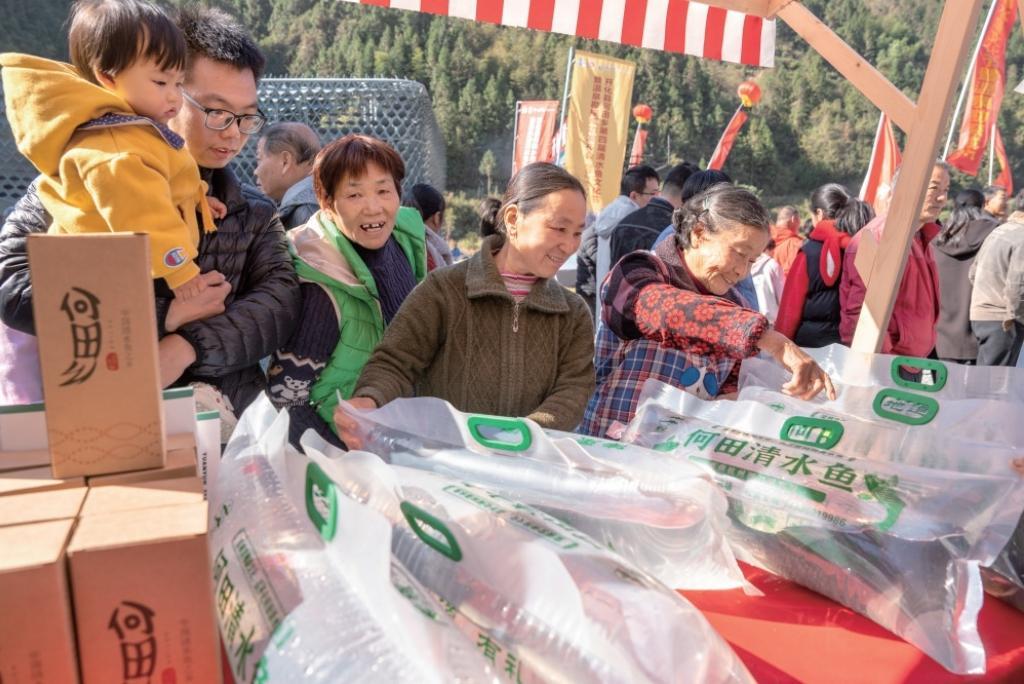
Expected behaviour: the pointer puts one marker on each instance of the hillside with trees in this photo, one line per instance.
(810, 127)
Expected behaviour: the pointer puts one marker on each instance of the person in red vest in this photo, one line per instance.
(911, 328)
(809, 310)
(787, 239)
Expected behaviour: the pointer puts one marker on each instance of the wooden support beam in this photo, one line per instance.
(758, 8)
(882, 266)
(868, 80)
(775, 5)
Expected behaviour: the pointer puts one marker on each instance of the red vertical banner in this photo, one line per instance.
(636, 155)
(1005, 178)
(988, 81)
(536, 121)
(728, 138)
(885, 159)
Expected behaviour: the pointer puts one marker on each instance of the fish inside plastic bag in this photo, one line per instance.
(928, 425)
(671, 526)
(566, 608)
(298, 604)
(899, 544)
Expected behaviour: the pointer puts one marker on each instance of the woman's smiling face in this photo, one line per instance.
(539, 242)
(364, 207)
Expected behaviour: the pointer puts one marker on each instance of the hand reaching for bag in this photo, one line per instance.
(347, 425)
(808, 378)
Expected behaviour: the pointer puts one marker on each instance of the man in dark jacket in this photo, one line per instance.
(219, 337)
(640, 229)
(284, 164)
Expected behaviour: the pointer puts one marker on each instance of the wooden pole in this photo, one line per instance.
(857, 70)
(882, 265)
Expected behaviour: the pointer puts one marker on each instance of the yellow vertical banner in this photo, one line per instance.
(598, 124)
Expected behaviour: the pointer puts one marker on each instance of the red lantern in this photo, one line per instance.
(750, 93)
(642, 113)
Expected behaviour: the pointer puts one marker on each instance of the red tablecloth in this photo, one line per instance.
(795, 635)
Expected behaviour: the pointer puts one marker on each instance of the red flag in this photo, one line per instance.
(535, 128)
(986, 94)
(1005, 179)
(885, 159)
(636, 155)
(728, 138)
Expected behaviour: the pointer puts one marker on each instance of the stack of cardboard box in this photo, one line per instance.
(104, 569)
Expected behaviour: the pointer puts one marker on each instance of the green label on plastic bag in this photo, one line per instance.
(905, 407)
(926, 375)
(321, 501)
(816, 432)
(431, 531)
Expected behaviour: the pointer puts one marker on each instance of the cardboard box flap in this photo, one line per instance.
(153, 494)
(180, 463)
(26, 546)
(20, 509)
(140, 526)
(35, 479)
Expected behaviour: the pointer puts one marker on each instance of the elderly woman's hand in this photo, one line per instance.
(347, 426)
(808, 377)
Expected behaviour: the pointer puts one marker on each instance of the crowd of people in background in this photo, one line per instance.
(345, 288)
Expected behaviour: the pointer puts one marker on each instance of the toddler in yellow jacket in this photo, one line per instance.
(97, 132)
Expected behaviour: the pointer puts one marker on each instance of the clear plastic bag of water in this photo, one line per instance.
(672, 527)
(297, 602)
(901, 544)
(534, 587)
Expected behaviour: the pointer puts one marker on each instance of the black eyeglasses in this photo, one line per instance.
(220, 119)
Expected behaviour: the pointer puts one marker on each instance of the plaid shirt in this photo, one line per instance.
(657, 323)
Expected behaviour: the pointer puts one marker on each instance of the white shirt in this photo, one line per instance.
(604, 225)
(768, 281)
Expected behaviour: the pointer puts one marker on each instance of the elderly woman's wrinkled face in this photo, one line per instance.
(364, 207)
(720, 260)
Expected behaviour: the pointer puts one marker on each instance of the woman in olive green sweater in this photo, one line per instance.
(495, 334)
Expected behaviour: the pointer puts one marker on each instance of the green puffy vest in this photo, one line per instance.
(359, 314)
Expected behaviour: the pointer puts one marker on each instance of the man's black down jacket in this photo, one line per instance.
(248, 247)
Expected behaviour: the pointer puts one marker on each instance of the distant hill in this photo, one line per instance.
(811, 126)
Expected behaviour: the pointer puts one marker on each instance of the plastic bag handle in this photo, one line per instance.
(475, 423)
(820, 433)
(928, 407)
(318, 480)
(939, 370)
(419, 519)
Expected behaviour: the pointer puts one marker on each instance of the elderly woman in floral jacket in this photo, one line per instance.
(674, 315)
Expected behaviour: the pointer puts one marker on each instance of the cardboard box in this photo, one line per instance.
(37, 641)
(23, 442)
(56, 504)
(117, 498)
(36, 479)
(180, 463)
(96, 323)
(143, 597)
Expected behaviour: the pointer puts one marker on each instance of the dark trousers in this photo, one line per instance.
(997, 347)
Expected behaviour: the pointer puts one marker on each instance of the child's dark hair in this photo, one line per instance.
(109, 36)
(217, 36)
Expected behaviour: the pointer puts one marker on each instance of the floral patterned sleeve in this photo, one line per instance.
(698, 323)
(640, 301)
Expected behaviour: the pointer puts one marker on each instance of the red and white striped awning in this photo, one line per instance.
(691, 28)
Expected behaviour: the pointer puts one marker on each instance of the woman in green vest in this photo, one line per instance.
(357, 258)
(496, 334)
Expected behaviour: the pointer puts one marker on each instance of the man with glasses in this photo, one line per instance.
(640, 229)
(217, 338)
